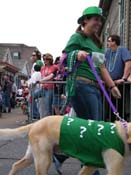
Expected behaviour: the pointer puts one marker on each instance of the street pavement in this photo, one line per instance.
(11, 151)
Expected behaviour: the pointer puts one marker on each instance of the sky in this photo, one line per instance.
(46, 24)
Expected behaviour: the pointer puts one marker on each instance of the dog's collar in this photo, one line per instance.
(124, 124)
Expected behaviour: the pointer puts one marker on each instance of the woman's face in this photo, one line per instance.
(46, 61)
(93, 24)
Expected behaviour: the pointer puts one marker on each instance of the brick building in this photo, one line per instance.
(15, 60)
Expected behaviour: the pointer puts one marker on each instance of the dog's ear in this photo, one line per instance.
(129, 133)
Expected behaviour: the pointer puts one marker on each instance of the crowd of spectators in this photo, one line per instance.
(42, 91)
(11, 95)
(41, 97)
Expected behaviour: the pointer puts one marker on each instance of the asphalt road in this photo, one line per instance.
(11, 151)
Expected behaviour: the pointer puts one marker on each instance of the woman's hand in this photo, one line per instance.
(82, 55)
(115, 92)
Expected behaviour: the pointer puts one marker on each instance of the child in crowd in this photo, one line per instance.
(36, 76)
(34, 82)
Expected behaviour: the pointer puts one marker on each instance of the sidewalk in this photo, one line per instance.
(13, 119)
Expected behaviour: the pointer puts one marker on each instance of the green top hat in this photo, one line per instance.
(89, 12)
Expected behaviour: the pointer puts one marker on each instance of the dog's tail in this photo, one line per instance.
(11, 134)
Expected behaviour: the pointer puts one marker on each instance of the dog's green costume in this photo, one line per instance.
(87, 139)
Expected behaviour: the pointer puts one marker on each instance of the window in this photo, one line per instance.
(16, 55)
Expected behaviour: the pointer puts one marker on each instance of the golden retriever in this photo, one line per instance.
(45, 133)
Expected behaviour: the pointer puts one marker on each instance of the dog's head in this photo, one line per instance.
(129, 133)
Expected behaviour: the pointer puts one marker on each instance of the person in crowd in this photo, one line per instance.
(84, 42)
(19, 96)
(36, 76)
(58, 101)
(118, 60)
(118, 64)
(14, 92)
(59, 89)
(47, 73)
(20, 92)
(7, 92)
(33, 82)
(25, 90)
(84, 91)
(36, 56)
(46, 90)
(36, 59)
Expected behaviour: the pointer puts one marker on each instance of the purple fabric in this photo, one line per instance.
(63, 59)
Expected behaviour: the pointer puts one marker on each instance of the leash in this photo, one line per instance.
(123, 121)
(116, 113)
(89, 60)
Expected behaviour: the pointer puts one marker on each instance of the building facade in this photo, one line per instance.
(118, 20)
(15, 61)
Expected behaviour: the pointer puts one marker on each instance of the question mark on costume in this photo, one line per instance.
(83, 129)
(69, 121)
(112, 127)
(90, 122)
(100, 128)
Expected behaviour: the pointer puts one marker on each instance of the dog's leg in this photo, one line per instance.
(114, 162)
(87, 170)
(42, 153)
(22, 163)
